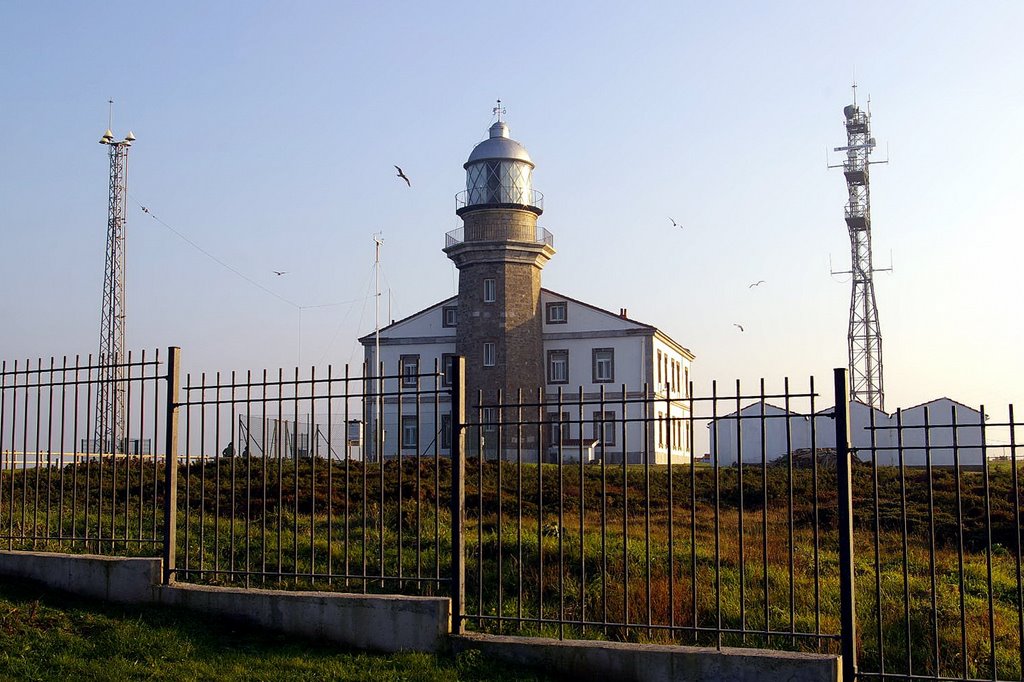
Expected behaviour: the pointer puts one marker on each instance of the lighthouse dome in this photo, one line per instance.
(499, 174)
(499, 145)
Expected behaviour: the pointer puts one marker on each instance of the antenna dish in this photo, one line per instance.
(107, 138)
(130, 137)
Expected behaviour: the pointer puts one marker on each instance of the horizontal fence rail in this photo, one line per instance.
(631, 513)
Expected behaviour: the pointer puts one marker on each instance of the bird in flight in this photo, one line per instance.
(738, 325)
(402, 175)
(280, 272)
(674, 223)
(757, 284)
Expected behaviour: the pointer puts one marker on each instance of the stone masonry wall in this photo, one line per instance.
(513, 321)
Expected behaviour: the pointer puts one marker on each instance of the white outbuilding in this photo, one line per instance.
(762, 432)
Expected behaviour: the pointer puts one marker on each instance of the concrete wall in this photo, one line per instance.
(100, 577)
(380, 623)
(393, 623)
(622, 662)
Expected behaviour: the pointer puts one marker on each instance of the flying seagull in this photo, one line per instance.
(279, 272)
(674, 223)
(738, 325)
(402, 175)
(757, 284)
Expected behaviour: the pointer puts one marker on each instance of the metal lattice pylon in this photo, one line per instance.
(111, 392)
(865, 334)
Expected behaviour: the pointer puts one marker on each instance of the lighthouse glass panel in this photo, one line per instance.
(499, 182)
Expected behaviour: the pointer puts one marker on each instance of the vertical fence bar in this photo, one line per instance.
(458, 502)
(847, 598)
(1017, 541)
(171, 462)
(988, 544)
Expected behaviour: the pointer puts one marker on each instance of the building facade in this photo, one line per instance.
(548, 377)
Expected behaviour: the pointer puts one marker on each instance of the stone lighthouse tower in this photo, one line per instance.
(500, 252)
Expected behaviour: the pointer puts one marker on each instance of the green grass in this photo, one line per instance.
(45, 636)
(577, 569)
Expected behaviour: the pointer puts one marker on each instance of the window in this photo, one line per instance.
(446, 431)
(558, 366)
(490, 291)
(489, 354)
(450, 316)
(557, 313)
(560, 427)
(661, 430)
(659, 368)
(410, 370)
(604, 365)
(686, 380)
(489, 419)
(604, 427)
(410, 432)
(447, 369)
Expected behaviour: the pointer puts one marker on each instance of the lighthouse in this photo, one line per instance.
(500, 252)
(548, 377)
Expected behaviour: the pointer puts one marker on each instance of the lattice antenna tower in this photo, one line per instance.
(111, 396)
(865, 334)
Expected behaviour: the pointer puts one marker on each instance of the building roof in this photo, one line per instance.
(935, 400)
(657, 332)
(755, 406)
(654, 331)
(499, 146)
(368, 338)
(831, 408)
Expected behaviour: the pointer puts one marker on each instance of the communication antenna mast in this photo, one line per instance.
(865, 334)
(111, 397)
(378, 241)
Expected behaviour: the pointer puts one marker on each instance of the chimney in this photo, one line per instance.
(622, 313)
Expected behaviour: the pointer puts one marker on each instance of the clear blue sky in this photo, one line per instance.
(267, 133)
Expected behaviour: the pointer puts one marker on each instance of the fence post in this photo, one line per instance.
(171, 462)
(844, 477)
(458, 510)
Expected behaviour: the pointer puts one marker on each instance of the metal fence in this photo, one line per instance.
(745, 517)
(273, 491)
(64, 487)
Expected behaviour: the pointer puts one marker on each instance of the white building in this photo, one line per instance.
(763, 425)
(593, 385)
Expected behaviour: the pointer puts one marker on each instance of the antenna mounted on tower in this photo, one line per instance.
(111, 399)
(864, 335)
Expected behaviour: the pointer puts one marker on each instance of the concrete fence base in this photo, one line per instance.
(625, 662)
(380, 623)
(394, 623)
(114, 579)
